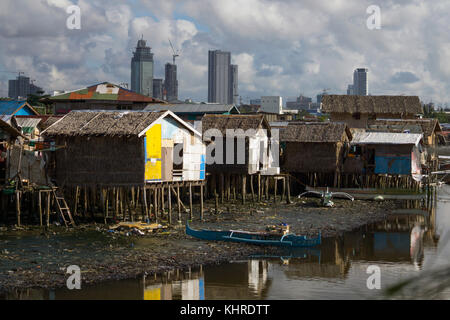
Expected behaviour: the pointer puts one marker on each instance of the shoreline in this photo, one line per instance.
(33, 258)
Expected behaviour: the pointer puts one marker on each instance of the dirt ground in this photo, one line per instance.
(36, 257)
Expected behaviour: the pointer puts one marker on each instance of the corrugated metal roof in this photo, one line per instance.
(361, 137)
(104, 91)
(28, 122)
(192, 108)
(10, 107)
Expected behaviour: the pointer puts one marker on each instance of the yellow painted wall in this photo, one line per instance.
(152, 294)
(153, 152)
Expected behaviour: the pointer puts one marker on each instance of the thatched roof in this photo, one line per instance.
(425, 126)
(371, 104)
(325, 132)
(102, 123)
(235, 121)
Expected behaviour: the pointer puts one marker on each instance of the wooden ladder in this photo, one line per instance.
(63, 209)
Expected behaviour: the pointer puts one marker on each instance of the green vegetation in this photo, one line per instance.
(430, 112)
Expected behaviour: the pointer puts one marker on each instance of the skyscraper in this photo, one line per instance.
(142, 69)
(222, 77)
(21, 87)
(360, 82)
(233, 84)
(158, 88)
(171, 82)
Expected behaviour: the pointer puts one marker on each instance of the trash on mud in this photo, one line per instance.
(137, 228)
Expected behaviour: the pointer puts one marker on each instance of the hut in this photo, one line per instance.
(430, 128)
(315, 149)
(385, 153)
(8, 137)
(101, 96)
(252, 132)
(357, 111)
(112, 148)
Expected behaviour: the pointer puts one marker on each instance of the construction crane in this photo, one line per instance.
(175, 53)
(18, 72)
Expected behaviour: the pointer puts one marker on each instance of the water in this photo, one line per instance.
(336, 270)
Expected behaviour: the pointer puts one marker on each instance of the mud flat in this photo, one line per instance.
(33, 257)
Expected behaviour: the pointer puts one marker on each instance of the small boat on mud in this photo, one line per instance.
(261, 238)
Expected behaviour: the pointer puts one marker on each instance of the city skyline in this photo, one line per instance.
(297, 56)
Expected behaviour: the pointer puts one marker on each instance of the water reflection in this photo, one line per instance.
(402, 246)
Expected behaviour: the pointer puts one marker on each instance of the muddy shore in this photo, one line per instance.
(34, 257)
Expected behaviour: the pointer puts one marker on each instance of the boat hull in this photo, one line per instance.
(289, 240)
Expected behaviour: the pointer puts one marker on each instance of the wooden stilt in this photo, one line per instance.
(169, 204)
(155, 204)
(288, 189)
(191, 215)
(259, 187)
(40, 207)
(201, 202)
(222, 187)
(18, 207)
(251, 188)
(48, 209)
(179, 204)
(275, 182)
(244, 188)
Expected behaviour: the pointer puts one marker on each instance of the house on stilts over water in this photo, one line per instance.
(315, 151)
(120, 154)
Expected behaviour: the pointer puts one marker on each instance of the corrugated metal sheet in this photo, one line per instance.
(361, 137)
(28, 122)
(192, 108)
(12, 107)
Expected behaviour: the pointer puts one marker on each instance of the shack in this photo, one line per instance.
(357, 111)
(101, 96)
(385, 153)
(430, 128)
(16, 107)
(315, 149)
(111, 148)
(240, 146)
(8, 137)
(222, 131)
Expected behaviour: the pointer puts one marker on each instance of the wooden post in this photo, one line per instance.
(259, 187)
(144, 203)
(169, 203)
(267, 187)
(284, 189)
(116, 197)
(190, 201)
(251, 188)
(275, 181)
(201, 202)
(162, 200)
(288, 189)
(48, 209)
(155, 204)
(244, 188)
(222, 187)
(18, 207)
(234, 187)
(179, 203)
(75, 206)
(40, 207)
(106, 204)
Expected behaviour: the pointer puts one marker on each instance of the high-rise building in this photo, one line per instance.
(233, 84)
(158, 88)
(171, 82)
(301, 103)
(350, 90)
(142, 69)
(222, 78)
(21, 87)
(361, 82)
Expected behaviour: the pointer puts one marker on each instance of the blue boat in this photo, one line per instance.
(261, 238)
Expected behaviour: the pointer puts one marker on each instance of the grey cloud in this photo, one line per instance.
(404, 77)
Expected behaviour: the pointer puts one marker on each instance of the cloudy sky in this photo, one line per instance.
(285, 47)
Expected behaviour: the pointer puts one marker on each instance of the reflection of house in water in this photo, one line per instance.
(240, 280)
(330, 263)
(257, 275)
